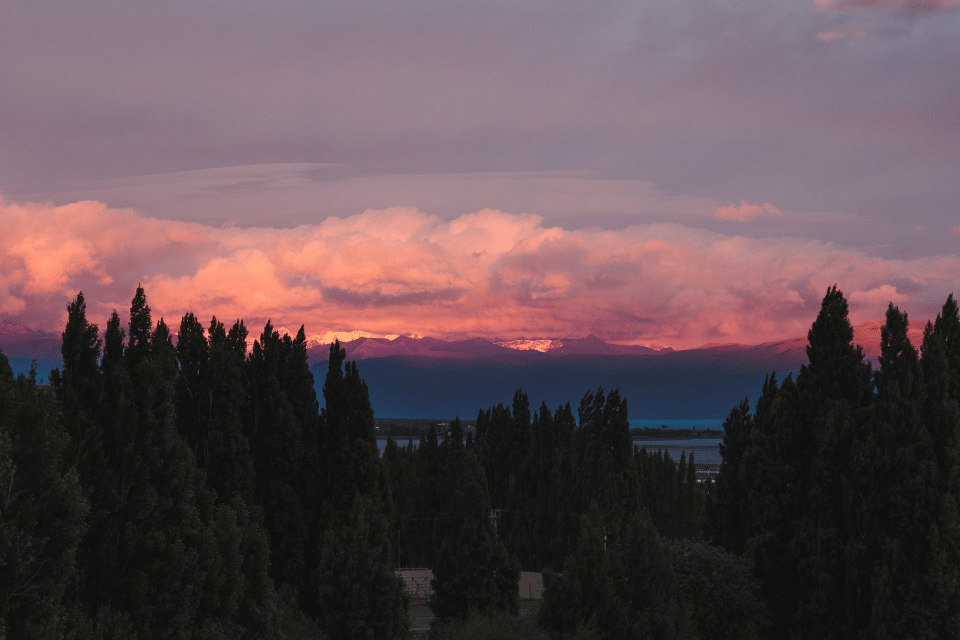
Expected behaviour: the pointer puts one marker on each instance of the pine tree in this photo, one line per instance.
(623, 588)
(158, 557)
(78, 386)
(731, 508)
(723, 596)
(193, 395)
(359, 595)
(939, 364)
(835, 391)
(229, 465)
(42, 510)
(472, 570)
(348, 436)
(608, 475)
(276, 438)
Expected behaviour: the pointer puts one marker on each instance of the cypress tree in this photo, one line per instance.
(193, 393)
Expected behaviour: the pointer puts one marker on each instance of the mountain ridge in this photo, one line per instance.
(430, 377)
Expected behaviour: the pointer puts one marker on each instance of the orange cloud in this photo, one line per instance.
(745, 211)
(490, 273)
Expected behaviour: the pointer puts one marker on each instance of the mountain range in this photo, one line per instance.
(433, 378)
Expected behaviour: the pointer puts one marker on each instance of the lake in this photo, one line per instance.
(686, 423)
(705, 450)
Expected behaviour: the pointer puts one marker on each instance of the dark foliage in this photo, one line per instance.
(186, 488)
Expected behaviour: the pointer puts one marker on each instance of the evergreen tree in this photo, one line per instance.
(210, 407)
(353, 478)
(348, 437)
(472, 570)
(359, 595)
(731, 509)
(158, 557)
(275, 434)
(899, 494)
(773, 472)
(623, 588)
(79, 387)
(42, 510)
(940, 413)
(229, 465)
(607, 473)
(835, 392)
(723, 595)
(193, 393)
(670, 493)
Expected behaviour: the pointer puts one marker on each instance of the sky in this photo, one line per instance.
(660, 172)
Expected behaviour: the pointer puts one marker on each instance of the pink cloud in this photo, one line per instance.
(489, 273)
(746, 211)
(881, 295)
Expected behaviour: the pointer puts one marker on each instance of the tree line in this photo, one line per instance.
(842, 488)
(191, 490)
(197, 489)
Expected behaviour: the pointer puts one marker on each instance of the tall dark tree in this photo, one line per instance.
(731, 507)
(348, 435)
(42, 511)
(210, 407)
(360, 597)
(158, 557)
(193, 393)
(622, 588)
(275, 432)
(722, 594)
(607, 473)
(229, 465)
(79, 389)
(940, 372)
(835, 391)
(472, 571)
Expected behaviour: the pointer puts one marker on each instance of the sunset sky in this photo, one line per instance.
(656, 172)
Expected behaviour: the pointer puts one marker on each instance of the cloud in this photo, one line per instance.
(842, 34)
(910, 8)
(488, 273)
(745, 211)
(881, 295)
